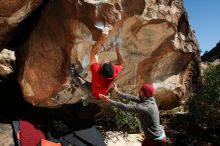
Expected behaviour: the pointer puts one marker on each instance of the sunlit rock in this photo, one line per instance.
(7, 62)
(157, 44)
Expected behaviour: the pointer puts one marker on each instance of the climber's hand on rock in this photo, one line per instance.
(103, 37)
(105, 30)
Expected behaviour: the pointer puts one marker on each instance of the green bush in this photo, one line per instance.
(117, 119)
(205, 103)
(128, 121)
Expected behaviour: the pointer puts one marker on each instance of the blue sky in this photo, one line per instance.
(204, 17)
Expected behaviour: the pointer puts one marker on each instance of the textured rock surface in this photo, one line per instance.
(12, 13)
(213, 54)
(157, 44)
(7, 62)
(6, 135)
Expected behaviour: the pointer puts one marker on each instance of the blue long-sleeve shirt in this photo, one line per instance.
(147, 111)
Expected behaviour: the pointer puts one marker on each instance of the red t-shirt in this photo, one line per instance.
(101, 84)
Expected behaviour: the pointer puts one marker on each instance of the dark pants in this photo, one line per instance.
(150, 142)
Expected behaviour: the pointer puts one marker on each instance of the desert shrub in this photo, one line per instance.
(205, 102)
(128, 121)
(116, 119)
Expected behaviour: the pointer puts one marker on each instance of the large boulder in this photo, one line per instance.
(12, 13)
(157, 44)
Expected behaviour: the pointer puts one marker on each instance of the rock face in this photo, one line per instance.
(213, 54)
(12, 13)
(6, 135)
(156, 42)
(7, 62)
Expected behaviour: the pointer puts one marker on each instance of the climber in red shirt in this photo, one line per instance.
(103, 74)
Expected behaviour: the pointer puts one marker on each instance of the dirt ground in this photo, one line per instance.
(181, 131)
(115, 138)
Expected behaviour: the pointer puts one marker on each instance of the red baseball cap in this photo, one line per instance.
(148, 90)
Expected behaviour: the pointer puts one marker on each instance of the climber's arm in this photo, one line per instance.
(96, 47)
(119, 57)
